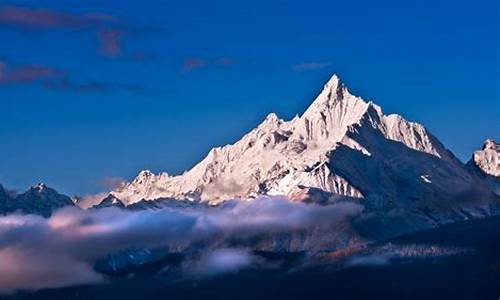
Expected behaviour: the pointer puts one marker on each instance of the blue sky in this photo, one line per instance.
(103, 89)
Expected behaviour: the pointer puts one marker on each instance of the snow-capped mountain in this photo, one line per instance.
(486, 163)
(39, 199)
(110, 201)
(341, 146)
(487, 159)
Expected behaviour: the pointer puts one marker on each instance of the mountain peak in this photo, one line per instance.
(490, 144)
(333, 90)
(333, 82)
(333, 110)
(272, 121)
(145, 174)
(40, 187)
(279, 157)
(272, 117)
(487, 160)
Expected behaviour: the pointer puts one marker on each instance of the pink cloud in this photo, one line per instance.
(112, 182)
(54, 79)
(111, 42)
(44, 18)
(109, 29)
(27, 73)
(194, 63)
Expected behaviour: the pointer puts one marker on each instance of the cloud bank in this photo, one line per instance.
(60, 251)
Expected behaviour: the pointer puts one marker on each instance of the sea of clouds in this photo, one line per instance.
(38, 253)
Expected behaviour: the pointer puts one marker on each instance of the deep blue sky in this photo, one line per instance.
(103, 89)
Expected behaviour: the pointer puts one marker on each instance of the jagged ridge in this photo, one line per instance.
(39, 199)
(323, 152)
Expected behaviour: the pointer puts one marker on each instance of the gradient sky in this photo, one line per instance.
(100, 90)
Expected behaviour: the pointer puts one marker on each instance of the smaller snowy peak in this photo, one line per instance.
(144, 174)
(40, 187)
(272, 118)
(487, 160)
(110, 201)
(38, 199)
(491, 145)
(41, 190)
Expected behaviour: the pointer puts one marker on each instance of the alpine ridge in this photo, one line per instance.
(38, 199)
(340, 147)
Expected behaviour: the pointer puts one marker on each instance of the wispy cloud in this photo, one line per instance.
(224, 260)
(111, 182)
(194, 63)
(68, 85)
(27, 73)
(65, 84)
(31, 18)
(310, 66)
(52, 78)
(88, 201)
(109, 30)
(111, 42)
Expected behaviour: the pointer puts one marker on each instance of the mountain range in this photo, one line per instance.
(341, 148)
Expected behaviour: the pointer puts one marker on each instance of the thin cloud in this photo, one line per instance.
(310, 66)
(194, 63)
(222, 261)
(30, 18)
(65, 84)
(111, 42)
(112, 182)
(88, 201)
(108, 29)
(27, 73)
(52, 78)
(68, 85)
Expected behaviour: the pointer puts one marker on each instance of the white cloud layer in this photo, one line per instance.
(60, 251)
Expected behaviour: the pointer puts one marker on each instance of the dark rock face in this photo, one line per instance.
(110, 201)
(40, 200)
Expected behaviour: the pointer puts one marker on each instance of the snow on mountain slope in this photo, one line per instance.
(486, 163)
(487, 159)
(341, 146)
